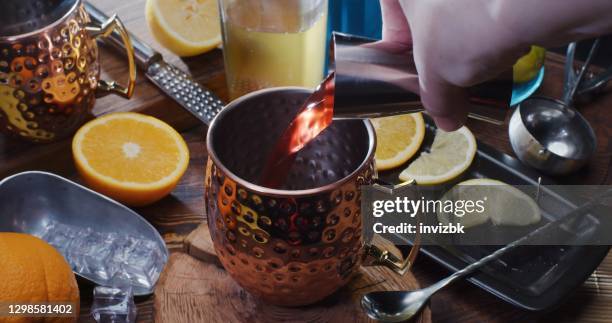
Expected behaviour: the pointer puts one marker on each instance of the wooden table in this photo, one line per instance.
(180, 213)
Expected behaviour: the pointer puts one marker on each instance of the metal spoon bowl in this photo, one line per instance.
(551, 136)
(394, 306)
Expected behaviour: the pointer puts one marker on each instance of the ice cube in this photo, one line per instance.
(145, 264)
(46, 230)
(113, 304)
(60, 235)
(141, 261)
(107, 257)
(120, 279)
(122, 247)
(89, 252)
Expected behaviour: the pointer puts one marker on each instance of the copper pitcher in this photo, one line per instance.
(50, 67)
(296, 245)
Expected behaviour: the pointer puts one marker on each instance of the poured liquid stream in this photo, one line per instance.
(315, 115)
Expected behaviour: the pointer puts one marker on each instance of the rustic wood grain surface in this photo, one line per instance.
(197, 291)
(190, 289)
(177, 215)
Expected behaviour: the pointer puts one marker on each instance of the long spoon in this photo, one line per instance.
(398, 306)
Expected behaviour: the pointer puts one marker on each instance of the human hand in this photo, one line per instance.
(458, 44)
(454, 47)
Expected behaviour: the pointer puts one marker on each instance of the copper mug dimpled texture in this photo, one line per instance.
(296, 245)
(50, 67)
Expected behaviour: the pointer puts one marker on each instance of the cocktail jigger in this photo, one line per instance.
(372, 80)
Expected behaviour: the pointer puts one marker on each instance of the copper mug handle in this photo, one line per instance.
(105, 30)
(377, 255)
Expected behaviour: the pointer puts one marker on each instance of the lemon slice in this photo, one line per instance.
(450, 155)
(185, 27)
(501, 203)
(398, 139)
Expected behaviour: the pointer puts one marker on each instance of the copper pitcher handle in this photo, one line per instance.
(105, 30)
(375, 255)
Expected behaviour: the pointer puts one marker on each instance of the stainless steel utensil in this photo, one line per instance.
(568, 96)
(550, 135)
(399, 306)
(593, 84)
(374, 80)
(596, 83)
(177, 84)
(569, 72)
(32, 200)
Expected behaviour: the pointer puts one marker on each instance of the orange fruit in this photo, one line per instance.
(132, 158)
(31, 270)
(398, 138)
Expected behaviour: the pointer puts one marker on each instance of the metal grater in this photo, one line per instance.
(201, 102)
(176, 83)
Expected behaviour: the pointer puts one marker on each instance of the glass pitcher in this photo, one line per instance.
(270, 43)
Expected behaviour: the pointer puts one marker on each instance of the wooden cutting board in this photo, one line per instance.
(199, 290)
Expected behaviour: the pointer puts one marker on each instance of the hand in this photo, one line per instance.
(453, 48)
(457, 44)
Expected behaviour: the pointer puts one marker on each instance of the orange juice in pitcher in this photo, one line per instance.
(271, 43)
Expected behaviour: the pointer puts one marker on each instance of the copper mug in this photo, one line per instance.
(292, 246)
(50, 67)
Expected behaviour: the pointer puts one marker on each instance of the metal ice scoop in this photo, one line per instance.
(102, 240)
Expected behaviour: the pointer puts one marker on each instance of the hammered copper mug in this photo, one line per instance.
(296, 245)
(50, 67)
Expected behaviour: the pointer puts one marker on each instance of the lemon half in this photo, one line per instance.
(185, 27)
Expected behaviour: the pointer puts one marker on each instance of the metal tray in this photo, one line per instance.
(534, 278)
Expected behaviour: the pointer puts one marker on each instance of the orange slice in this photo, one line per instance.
(132, 158)
(398, 139)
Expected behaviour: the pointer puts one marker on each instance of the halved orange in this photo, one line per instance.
(130, 157)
